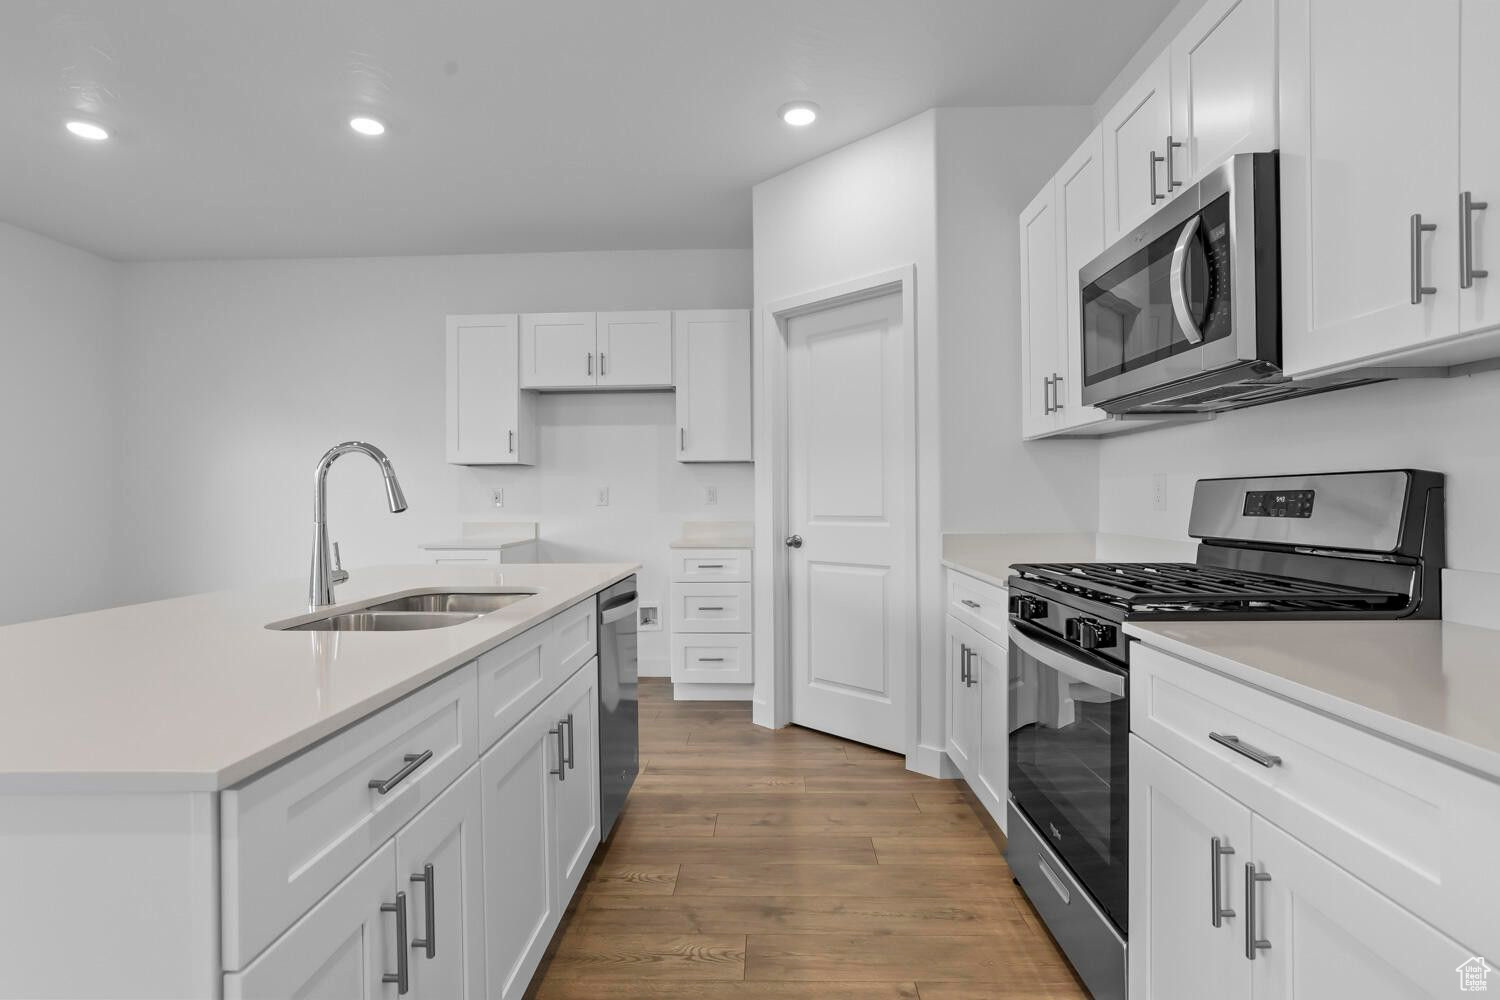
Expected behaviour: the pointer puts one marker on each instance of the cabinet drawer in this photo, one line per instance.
(710, 607)
(1409, 825)
(710, 565)
(290, 835)
(574, 640)
(979, 605)
(515, 676)
(712, 658)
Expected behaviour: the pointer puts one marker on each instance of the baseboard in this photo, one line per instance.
(763, 715)
(1471, 597)
(931, 761)
(713, 692)
(654, 668)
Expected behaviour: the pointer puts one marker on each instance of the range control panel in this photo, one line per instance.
(1279, 503)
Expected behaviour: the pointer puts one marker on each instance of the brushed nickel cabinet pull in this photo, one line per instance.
(1155, 159)
(428, 881)
(1418, 227)
(402, 976)
(1467, 272)
(1244, 749)
(1216, 851)
(1172, 182)
(1253, 943)
(970, 604)
(412, 762)
(510, 437)
(601, 364)
(562, 768)
(572, 765)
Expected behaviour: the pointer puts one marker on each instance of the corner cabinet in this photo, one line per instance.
(712, 365)
(489, 419)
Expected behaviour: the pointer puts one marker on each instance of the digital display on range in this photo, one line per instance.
(1285, 503)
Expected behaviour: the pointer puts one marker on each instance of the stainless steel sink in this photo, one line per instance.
(384, 621)
(474, 604)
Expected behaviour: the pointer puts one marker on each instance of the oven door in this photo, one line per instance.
(1069, 732)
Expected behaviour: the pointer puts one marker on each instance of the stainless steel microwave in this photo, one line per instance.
(1183, 314)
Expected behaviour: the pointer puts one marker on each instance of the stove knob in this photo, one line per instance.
(1028, 608)
(1089, 634)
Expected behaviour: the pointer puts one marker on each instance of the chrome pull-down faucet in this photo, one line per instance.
(325, 571)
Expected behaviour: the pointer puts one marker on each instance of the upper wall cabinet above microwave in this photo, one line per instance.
(618, 350)
(1385, 233)
(1210, 95)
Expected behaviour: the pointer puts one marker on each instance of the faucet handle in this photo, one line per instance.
(339, 574)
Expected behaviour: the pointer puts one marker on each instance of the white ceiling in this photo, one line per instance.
(544, 125)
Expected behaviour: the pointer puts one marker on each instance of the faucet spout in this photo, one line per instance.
(324, 575)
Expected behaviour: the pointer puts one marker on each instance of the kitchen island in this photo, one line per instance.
(197, 802)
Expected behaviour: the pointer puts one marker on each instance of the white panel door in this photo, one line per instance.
(850, 465)
(990, 671)
(712, 368)
(1369, 139)
(575, 708)
(1223, 85)
(1135, 133)
(962, 723)
(558, 351)
(342, 947)
(521, 906)
(635, 350)
(1331, 935)
(1040, 321)
(439, 861)
(1080, 238)
(489, 417)
(1479, 161)
(1176, 952)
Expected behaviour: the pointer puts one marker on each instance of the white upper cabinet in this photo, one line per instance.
(634, 350)
(1369, 93)
(1080, 224)
(489, 417)
(1135, 135)
(1223, 86)
(1479, 168)
(712, 351)
(1041, 363)
(558, 350)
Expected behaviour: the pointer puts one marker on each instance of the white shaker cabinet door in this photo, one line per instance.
(991, 671)
(1135, 134)
(490, 420)
(1040, 322)
(558, 351)
(635, 350)
(1327, 934)
(963, 706)
(1369, 150)
(1223, 85)
(712, 368)
(575, 706)
(439, 865)
(1479, 167)
(521, 906)
(1188, 846)
(1080, 228)
(343, 947)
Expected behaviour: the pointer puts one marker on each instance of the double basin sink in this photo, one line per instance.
(413, 612)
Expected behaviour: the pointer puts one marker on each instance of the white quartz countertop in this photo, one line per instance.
(716, 535)
(196, 694)
(1432, 685)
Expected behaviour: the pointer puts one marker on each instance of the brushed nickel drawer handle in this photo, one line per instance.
(1244, 749)
(970, 604)
(562, 760)
(705, 607)
(710, 565)
(572, 766)
(412, 762)
(1253, 943)
(710, 659)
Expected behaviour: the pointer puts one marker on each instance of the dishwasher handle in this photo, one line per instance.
(617, 608)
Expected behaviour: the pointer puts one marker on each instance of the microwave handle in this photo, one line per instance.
(1178, 280)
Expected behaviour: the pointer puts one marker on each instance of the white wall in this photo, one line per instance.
(57, 391)
(240, 373)
(1444, 425)
(990, 163)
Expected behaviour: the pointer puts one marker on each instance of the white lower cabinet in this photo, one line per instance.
(541, 820)
(439, 866)
(343, 947)
(976, 718)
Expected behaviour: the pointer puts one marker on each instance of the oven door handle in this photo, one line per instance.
(1178, 282)
(1067, 664)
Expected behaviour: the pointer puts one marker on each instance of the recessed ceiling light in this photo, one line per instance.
(799, 113)
(367, 126)
(88, 130)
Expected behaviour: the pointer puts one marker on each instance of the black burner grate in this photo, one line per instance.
(1143, 585)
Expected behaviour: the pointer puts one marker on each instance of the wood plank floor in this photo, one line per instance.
(791, 865)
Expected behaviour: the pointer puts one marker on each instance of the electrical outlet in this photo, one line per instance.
(710, 496)
(601, 497)
(1158, 492)
(497, 497)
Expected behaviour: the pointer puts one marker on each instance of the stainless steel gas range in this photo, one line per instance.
(1337, 545)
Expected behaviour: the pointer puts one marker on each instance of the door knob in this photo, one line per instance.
(794, 542)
